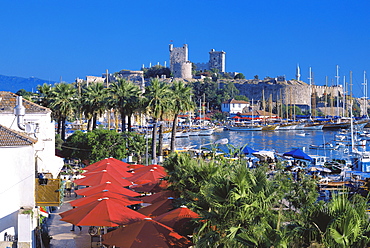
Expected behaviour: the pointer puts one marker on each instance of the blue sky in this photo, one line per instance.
(70, 39)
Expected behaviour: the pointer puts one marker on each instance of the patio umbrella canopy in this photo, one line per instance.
(101, 177)
(160, 196)
(106, 186)
(145, 233)
(157, 208)
(126, 200)
(247, 150)
(121, 171)
(153, 175)
(152, 187)
(149, 167)
(298, 154)
(177, 218)
(102, 212)
(112, 161)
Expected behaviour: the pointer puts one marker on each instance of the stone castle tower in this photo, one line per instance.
(217, 60)
(180, 66)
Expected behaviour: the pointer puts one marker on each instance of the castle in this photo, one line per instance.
(181, 67)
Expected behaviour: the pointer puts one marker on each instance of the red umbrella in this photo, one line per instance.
(153, 175)
(145, 233)
(135, 166)
(111, 169)
(106, 186)
(102, 212)
(152, 166)
(157, 208)
(160, 196)
(112, 161)
(152, 187)
(126, 200)
(177, 218)
(101, 177)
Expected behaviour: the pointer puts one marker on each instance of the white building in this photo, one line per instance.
(233, 106)
(27, 147)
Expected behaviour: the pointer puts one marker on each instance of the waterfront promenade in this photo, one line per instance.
(61, 231)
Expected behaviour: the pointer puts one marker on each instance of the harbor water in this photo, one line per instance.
(278, 141)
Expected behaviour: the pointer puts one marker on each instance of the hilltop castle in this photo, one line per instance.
(181, 67)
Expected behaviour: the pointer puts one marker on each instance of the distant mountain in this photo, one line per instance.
(13, 84)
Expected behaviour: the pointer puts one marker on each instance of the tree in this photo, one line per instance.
(239, 76)
(45, 94)
(181, 102)
(63, 103)
(157, 99)
(94, 98)
(101, 143)
(25, 94)
(157, 71)
(124, 96)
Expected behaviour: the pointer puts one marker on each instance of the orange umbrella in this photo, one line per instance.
(111, 169)
(160, 196)
(106, 186)
(100, 177)
(111, 161)
(145, 233)
(126, 200)
(177, 218)
(153, 187)
(157, 208)
(102, 212)
(153, 175)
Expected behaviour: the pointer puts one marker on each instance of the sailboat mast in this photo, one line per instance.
(337, 77)
(351, 111)
(365, 95)
(344, 96)
(310, 82)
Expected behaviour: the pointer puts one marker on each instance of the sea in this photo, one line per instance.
(277, 141)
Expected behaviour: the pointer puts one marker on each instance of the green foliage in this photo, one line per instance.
(242, 207)
(239, 76)
(100, 143)
(242, 98)
(157, 71)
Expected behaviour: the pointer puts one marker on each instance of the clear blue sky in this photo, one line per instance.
(70, 39)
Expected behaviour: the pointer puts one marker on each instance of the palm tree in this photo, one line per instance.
(181, 99)
(125, 96)
(157, 96)
(45, 91)
(94, 98)
(342, 222)
(64, 102)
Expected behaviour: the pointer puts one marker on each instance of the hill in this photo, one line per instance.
(13, 84)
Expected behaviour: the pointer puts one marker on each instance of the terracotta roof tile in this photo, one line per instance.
(9, 137)
(8, 102)
(235, 101)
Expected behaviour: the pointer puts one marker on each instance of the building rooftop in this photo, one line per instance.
(9, 137)
(235, 101)
(8, 102)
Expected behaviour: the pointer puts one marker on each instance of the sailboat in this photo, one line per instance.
(250, 127)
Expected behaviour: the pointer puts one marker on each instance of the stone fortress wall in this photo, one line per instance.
(291, 91)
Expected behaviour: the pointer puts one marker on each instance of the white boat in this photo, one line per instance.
(246, 128)
(313, 127)
(205, 132)
(288, 126)
(182, 134)
(327, 146)
(302, 134)
(193, 132)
